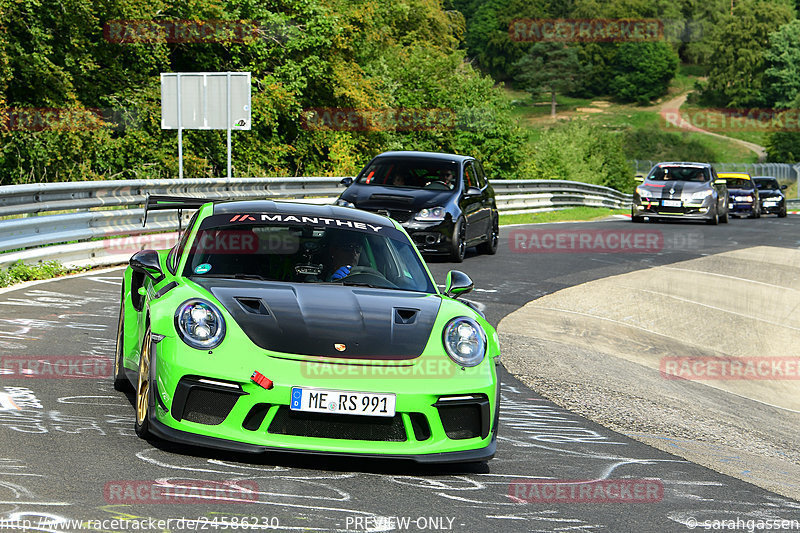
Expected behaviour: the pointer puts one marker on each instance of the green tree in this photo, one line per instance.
(736, 76)
(643, 71)
(549, 67)
(782, 75)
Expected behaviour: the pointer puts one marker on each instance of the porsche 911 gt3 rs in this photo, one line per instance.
(319, 329)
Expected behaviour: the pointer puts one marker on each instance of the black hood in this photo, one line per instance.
(740, 192)
(375, 197)
(311, 319)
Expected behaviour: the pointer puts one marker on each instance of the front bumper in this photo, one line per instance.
(431, 237)
(772, 207)
(740, 208)
(688, 210)
(227, 411)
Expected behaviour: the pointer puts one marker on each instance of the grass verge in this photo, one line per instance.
(572, 214)
(20, 272)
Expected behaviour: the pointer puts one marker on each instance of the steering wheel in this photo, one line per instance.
(369, 275)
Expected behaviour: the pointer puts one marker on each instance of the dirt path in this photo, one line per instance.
(670, 111)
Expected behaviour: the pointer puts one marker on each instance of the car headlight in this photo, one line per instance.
(431, 214)
(344, 203)
(464, 341)
(200, 324)
(701, 195)
(641, 191)
(744, 198)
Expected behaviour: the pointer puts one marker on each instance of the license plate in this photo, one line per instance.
(342, 402)
(770, 204)
(671, 203)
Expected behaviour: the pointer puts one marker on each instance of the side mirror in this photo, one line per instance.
(473, 191)
(639, 178)
(348, 181)
(457, 284)
(783, 187)
(147, 263)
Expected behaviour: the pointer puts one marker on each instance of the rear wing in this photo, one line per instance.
(161, 203)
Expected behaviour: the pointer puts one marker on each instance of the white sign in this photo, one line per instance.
(206, 101)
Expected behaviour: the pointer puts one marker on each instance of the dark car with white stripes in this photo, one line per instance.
(681, 190)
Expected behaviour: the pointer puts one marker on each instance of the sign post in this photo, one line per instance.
(205, 101)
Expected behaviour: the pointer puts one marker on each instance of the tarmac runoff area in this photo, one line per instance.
(699, 358)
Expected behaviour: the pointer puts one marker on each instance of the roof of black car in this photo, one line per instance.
(425, 155)
(297, 209)
(679, 163)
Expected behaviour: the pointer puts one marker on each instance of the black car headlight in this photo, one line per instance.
(464, 341)
(431, 214)
(200, 324)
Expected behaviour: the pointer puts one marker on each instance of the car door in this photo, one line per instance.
(487, 198)
(470, 202)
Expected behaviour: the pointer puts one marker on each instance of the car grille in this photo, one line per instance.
(209, 407)
(399, 215)
(333, 426)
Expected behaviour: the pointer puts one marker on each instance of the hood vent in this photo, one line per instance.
(253, 305)
(405, 316)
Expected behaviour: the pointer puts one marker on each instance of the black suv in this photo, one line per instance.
(443, 201)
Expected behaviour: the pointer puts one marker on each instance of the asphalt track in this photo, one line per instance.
(68, 452)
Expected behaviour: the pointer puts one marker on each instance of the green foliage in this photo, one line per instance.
(736, 75)
(652, 142)
(782, 76)
(581, 152)
(783, 146)
(367, 54)
(643, 71)
(19, 272)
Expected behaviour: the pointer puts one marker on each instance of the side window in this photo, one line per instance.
(481, 174)
(175, 254)
(469, 175)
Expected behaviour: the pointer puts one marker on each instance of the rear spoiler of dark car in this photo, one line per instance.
(162, 203)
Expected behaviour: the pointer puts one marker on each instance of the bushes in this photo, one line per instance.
(581, 152)
(651, 142)
(19, 272)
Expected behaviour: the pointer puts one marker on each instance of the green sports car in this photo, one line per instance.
(277, 326)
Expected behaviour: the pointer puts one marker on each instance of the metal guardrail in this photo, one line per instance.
(37, 226)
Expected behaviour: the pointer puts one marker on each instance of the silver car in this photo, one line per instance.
(681, 190)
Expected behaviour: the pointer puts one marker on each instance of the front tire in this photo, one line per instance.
(143, 390)
(458, 248)
(782, 213)
(714, 220)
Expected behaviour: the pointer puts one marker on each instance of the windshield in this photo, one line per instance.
(680, 173)
(738, 183)
(306, 253)
(767, 184)
(411, 173)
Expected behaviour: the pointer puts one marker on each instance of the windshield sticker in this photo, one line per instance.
(203, 268)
